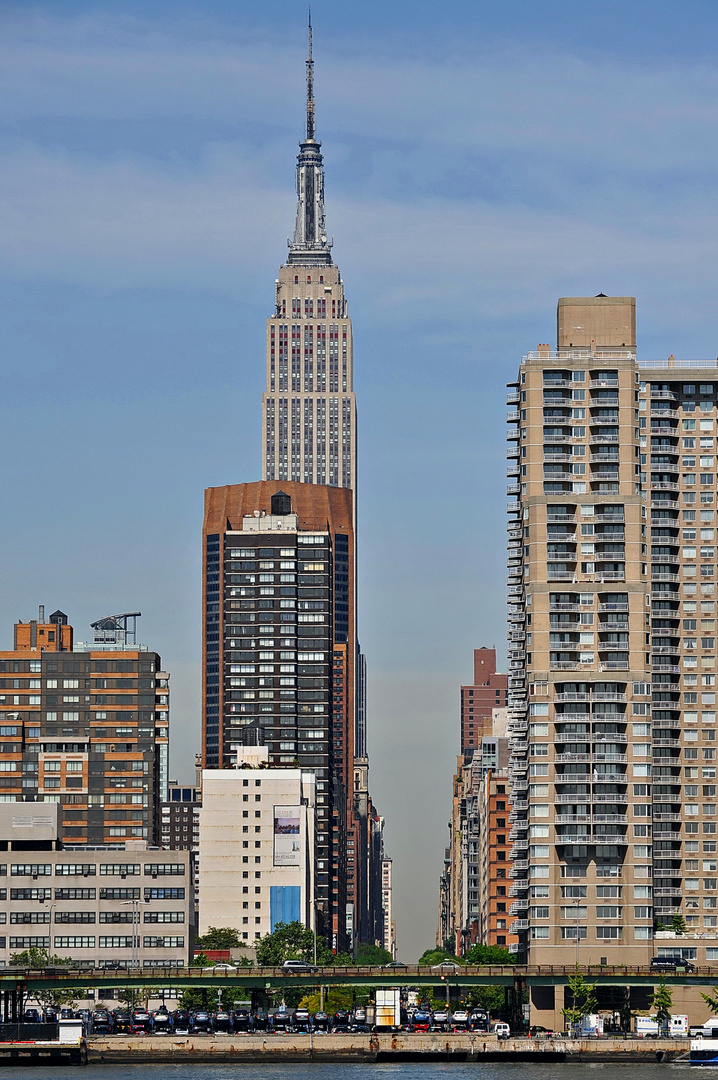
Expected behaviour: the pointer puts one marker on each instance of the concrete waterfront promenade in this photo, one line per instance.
(378, 1047)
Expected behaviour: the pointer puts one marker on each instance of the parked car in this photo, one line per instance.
(421, 1020)
(460, 1020)
(181, 1022)
(359, 1020)
(102, 1023)
(341, 1020)
(202, 1022)
(141, 1022)
(440, 1020)
(222, 1022)
(31, 1016)
(320, 1021)
(242, 1020)
(260, 1021)
(121, 1022)
(479, 1020)
(281, 1022)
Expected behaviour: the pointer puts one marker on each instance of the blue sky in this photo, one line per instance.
(482, 160)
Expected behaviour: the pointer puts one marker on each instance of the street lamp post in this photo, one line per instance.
(41, 900)
(577, 905)
(135, 905)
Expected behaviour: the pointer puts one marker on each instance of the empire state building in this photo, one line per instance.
(309, 407)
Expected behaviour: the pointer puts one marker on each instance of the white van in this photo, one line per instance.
(501, 1030)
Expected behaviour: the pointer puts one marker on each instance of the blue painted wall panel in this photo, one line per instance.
(285, 904)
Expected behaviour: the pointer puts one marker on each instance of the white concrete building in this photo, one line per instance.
(122, 907)
(256, 842)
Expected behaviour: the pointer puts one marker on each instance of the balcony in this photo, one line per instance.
(586, 758)
(663, 395)
(607, 696)
(519, 905)
(609, 575)
(606, 384)
(513, 399)
(512, 471)
(519, 804)
(667, 817)
(609, 515)
(610, 819)
(607, 459)
(664, 485)
(610, 798)
(574, 697)
(573, 819)
(672, 414)
(512, 416)
(610, 757)
(554, 537)
(513, 489)
(519, 868)
(518, 887)
(615, 838)
(614, 665)
(517, 925)
(602, 439)
(561, 575)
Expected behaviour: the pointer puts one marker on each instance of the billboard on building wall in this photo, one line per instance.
(287, 846)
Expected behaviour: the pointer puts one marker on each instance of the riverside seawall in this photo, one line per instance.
(359, 1047)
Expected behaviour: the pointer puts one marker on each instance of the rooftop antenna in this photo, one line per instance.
(310, 84)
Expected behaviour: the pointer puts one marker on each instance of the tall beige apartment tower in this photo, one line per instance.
(309, 407)
(580, 661)
(612, 628)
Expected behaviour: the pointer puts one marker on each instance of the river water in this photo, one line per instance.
(401, 1071)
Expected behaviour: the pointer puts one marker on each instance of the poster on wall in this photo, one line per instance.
(287, 848)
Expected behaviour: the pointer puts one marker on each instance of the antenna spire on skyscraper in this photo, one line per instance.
(310, 83)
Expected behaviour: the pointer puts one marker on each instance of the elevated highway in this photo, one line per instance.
(270, 978)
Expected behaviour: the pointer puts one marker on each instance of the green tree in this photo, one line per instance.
(486, 997)
(223, 937)
(209, 997)
(372, 956)
(291, 941)
(435, 956)
(711, 1000)
(678, 924)
(337, 997)
(489, 954)
(583, 996)
(39, 958)
(36, 959)
(662, 1003)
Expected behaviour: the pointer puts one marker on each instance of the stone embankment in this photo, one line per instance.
(378, 1047)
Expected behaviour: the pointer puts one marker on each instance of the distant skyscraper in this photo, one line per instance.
(309, 408)
(280, 654)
